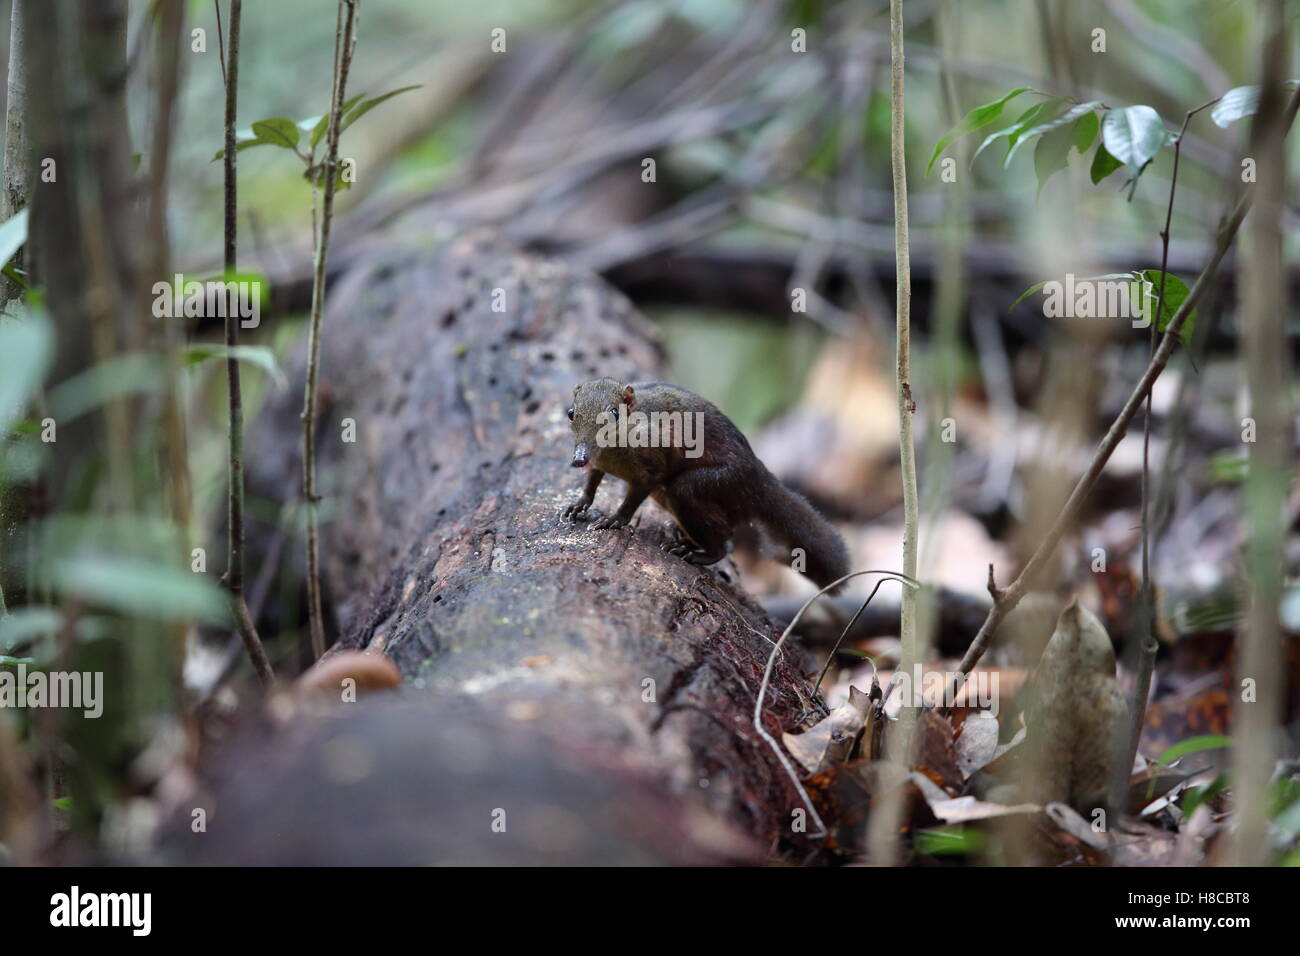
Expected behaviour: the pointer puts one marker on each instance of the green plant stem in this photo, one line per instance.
(344, 41)
(235, 565)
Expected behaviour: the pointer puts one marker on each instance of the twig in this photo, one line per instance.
(1145, 622)
(888, 810)
(903, 339)
(848, 627)
(344, 40)
(767, 679)
(1069, 512)
(235, 567)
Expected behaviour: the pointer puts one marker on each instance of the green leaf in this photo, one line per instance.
(13, 234)
(1133, 135)
(978, 117)
(16, 276)
(1194, 745)
(125, 374)
(141, 588)
(1024, 121)
(361, 109)
(949, 841)
(258, 355)
(322, 123)
(1103, 164)
(1038, 129)
(1176, 293)
(1289, 819)
(25, 623)
(26, 347)
(1239, 102)
(278, 132)
(1050, 154)
(1198, 795)
(241, 145)
(1036, 287)
(1085, 131)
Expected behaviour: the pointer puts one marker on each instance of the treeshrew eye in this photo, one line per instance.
(570, 413)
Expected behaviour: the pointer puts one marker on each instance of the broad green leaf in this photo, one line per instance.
(26, 347)
(142, 588)
(1038, 129)
(1085, 131)
(361, 109)
(13, 234)
(322, 123)
(1103, 164)
(241, 145)
(1030, 117)
(278, 132)
(258, 355)
(1050, 154)
(978, 117)
(1176, 293)
(1239, 102)
(1133, 135)
(1194, 745)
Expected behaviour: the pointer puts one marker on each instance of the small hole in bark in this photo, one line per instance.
(433, 469)
(492, 381)
(448, 318)
(437, 599)
(532, 407)
(621, 349)
(548, 356)
(577, 355)
(604, 352)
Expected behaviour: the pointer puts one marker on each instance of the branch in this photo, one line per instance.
(235, 567)
(1069, 512)
(908, 583)
(344, 42)
(1145, 622)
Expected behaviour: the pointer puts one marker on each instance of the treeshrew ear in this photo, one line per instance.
(629, 396)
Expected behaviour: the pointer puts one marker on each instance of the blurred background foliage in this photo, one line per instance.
(772, 173)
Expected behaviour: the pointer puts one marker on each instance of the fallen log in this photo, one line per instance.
(551, 671)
